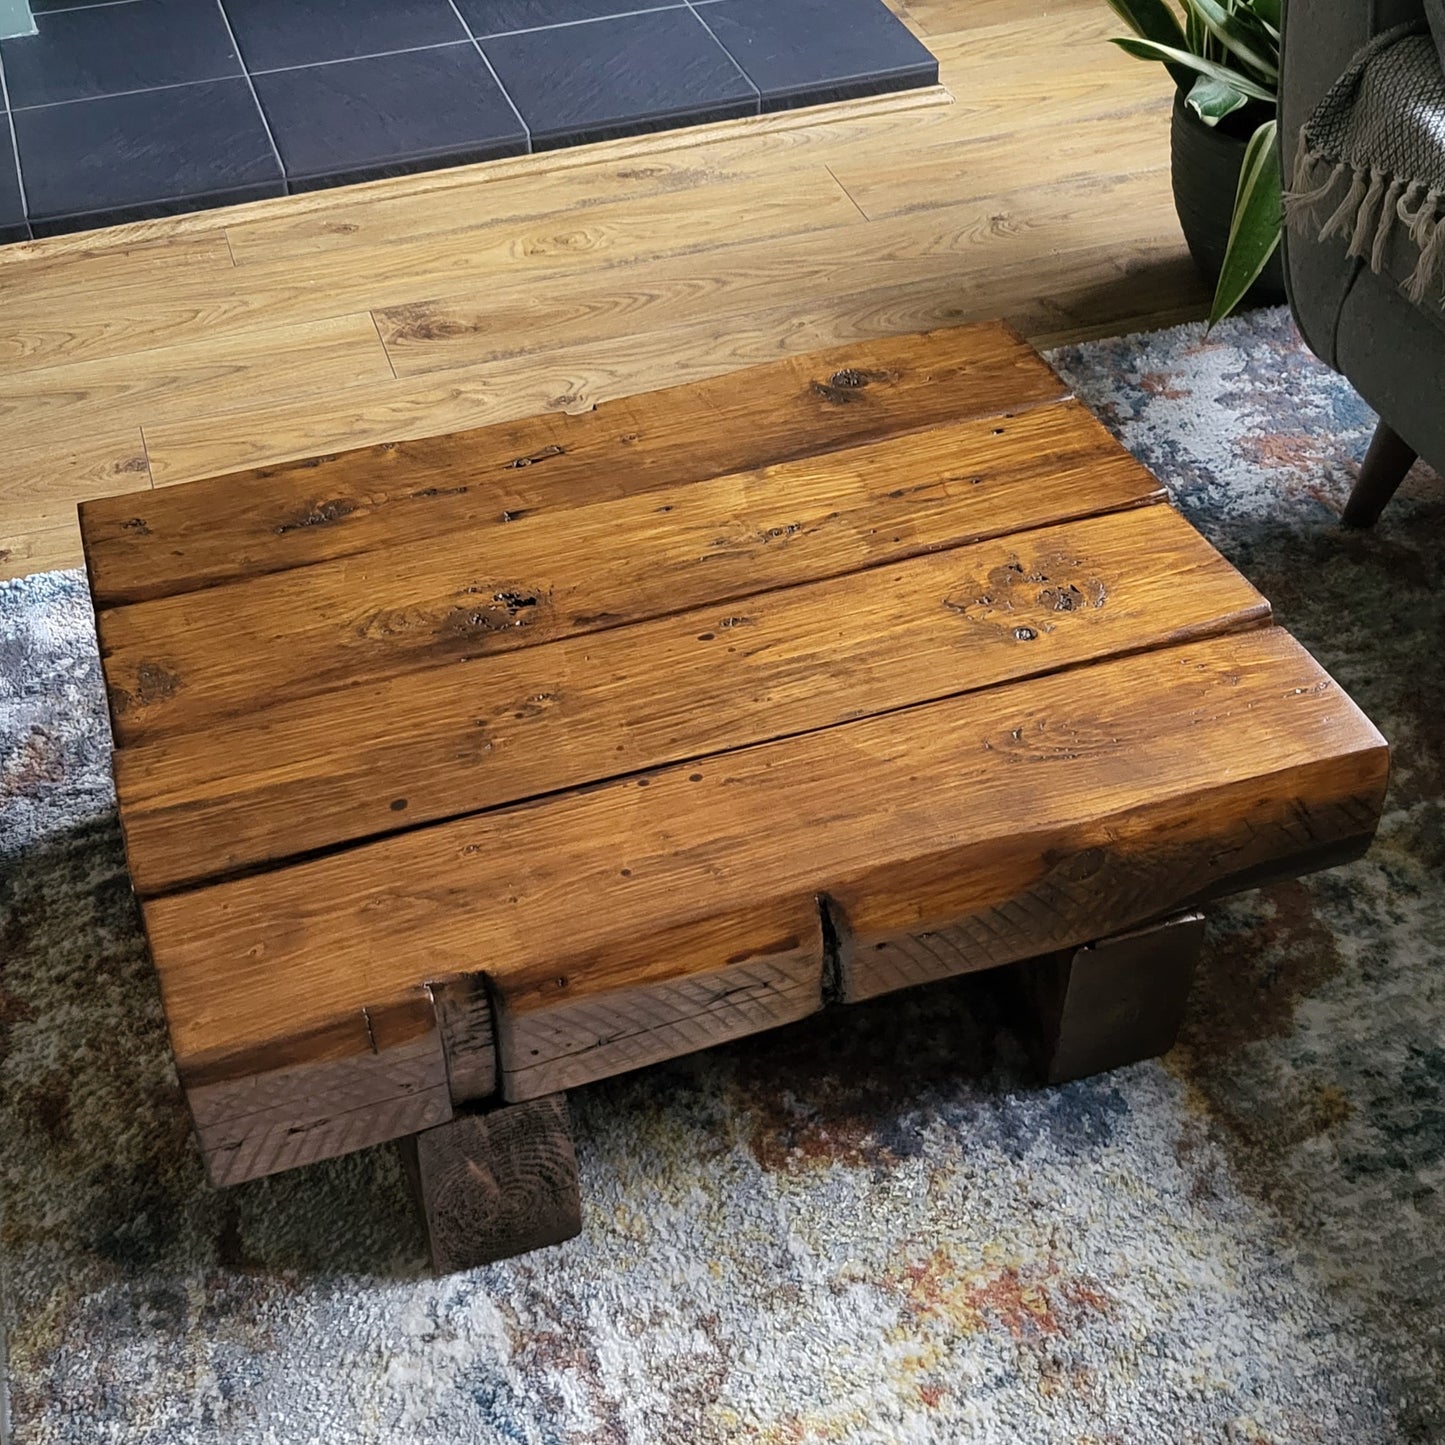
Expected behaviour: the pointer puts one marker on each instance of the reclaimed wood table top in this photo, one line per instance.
(530, 750)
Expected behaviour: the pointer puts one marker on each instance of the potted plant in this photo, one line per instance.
(1224, 58)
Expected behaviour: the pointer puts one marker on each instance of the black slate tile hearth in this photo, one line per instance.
(111, 49)
(498, 17)
(146, 154)
(41, 7)
(616, 77)
(363, 118)
(13, 226)
(125, 109)
(277, 33)
(808, 52)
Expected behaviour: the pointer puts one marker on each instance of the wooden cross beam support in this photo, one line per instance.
(497, 1182)
(1115, 1002)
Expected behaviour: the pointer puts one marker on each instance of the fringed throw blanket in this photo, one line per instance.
(1371, 158)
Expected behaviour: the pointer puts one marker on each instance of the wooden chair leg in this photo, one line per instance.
(1111, 1003)
(496, 1182)
(1382, 471)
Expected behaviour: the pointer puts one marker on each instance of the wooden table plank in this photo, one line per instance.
(184, 662)
(358, 762)
(382, 497)
(1218, 757)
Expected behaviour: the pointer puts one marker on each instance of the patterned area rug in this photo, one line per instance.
(867, 1228)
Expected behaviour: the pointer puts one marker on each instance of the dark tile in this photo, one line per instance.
(153, 153)
(806, 52)
(12, 207)
(374, 117)
(110, 49)
(276, 33)
(44, 7)
(497, 17)
(619, 77)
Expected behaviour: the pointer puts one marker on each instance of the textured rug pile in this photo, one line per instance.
(867, 1228)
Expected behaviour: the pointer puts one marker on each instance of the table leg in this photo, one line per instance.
(1110, 1003)
(497, 1182)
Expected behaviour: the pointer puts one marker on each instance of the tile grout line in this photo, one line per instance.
(99, 5)
(255, 99)
(15, 152)
(371, 55)
(496, 79)
(733, 60)
(586, 20)
(119, 94)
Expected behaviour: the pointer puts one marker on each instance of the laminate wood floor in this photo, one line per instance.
(1034, 185)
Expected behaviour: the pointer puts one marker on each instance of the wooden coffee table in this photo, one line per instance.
(460, 772)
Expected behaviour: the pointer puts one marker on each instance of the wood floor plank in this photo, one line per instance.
(178, 383)
(185, 661)
(41, 484)
(1204, 762)
(545, 169)
(566, 182)
(942, 18)
(383, 497)
(1042, 231)
(1131, 141)
(30, 548)
(499, 322)
(97, 261)
(139, 314)
(296, 779)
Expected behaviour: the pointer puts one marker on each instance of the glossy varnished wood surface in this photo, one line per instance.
(187, 661)
(325, 508)
(199, 345)
(291, 779)
(495, 764)
(1045, 820)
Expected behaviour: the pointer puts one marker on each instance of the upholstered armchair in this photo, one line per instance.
(1362, 322)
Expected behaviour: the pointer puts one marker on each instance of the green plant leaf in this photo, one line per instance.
(1154, 20)
(1212, 100)
(1255, 226)
(1267, 12)
(1243, 36)
(1149, 50)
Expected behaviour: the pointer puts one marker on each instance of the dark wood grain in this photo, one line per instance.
(373, 1075)
(468, 1035)
(496, 1183)
(478, 768)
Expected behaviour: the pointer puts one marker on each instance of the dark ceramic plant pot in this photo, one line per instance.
(1204, 163)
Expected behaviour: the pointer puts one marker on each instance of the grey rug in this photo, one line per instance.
(866, 1228)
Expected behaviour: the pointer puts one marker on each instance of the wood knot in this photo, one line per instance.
(517, 463)
(843, 386)
(319, 514)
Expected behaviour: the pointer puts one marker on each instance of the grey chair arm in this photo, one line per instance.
(1321, 37)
